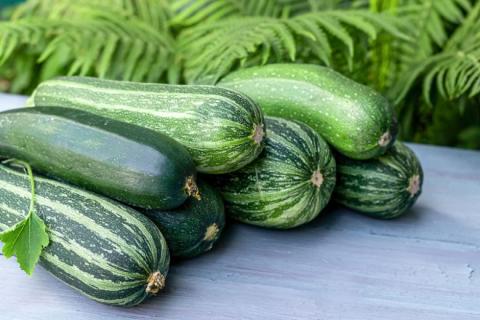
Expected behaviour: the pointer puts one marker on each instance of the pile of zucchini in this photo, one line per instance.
(129, 174)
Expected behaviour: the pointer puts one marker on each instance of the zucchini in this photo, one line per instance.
(193, 228)
(385, 187)
(288, 185)
(354, 119)
(125, 162)
(223, 130)
(107, 251)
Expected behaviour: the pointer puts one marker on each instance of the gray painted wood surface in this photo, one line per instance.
(425, 265)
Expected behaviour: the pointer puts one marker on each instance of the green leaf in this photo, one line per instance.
(26, 240)
(28, 237)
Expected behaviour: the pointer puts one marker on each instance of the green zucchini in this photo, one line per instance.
(128, 163)
(107, 251)
(288, 185)
(385, 187)
(354, 119)
(193, 228)
(223, 130)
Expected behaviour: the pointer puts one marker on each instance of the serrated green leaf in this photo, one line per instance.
(27, 238)
(26, 241)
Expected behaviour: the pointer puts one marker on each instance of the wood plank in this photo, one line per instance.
(425, 265)
(10, 101)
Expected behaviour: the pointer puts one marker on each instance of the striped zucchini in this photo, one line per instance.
(108, 252)
(354, 119)
(193, 228)
(223, 130)
(288, 185)
(385, 187)
(131, 164)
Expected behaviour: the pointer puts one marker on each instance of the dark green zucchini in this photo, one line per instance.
(288, 185)
(107, 251)
(131, 164)
(193, 228)
(385, 187)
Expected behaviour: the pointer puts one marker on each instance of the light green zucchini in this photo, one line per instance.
(353, 118)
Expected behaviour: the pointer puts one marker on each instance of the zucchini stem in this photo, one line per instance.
(191, 188)
(317, 178)
(414, 185)
(211, 232)
(156, 282)
(385, 139)
(258, 133)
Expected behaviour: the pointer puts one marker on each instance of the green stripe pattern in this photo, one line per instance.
(223, 130)
(385, 187)
(288, 185)
(196, 226)
(103, 249)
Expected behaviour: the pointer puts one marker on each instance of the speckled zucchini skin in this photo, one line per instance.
(385, 187)
(353, 118)
(222, 129)
(288, 185)
(195, 227)
(128, 163)
(105, 250)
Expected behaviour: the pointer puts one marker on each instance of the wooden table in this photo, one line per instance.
(425, 265)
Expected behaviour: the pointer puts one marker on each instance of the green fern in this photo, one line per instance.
(188, 13)
(155, 13)
(430, 20)
(453, 72)
(100, 42)
(235, 42)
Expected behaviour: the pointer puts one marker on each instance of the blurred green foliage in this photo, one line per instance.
(424, 55)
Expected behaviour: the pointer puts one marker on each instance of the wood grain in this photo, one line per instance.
(425, 265)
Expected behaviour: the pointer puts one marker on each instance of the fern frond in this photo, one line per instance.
(430, 20)
(188, 13)
(17, 35)
(89, 42)
(455, 71)
(213, 49)
(155, 13)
